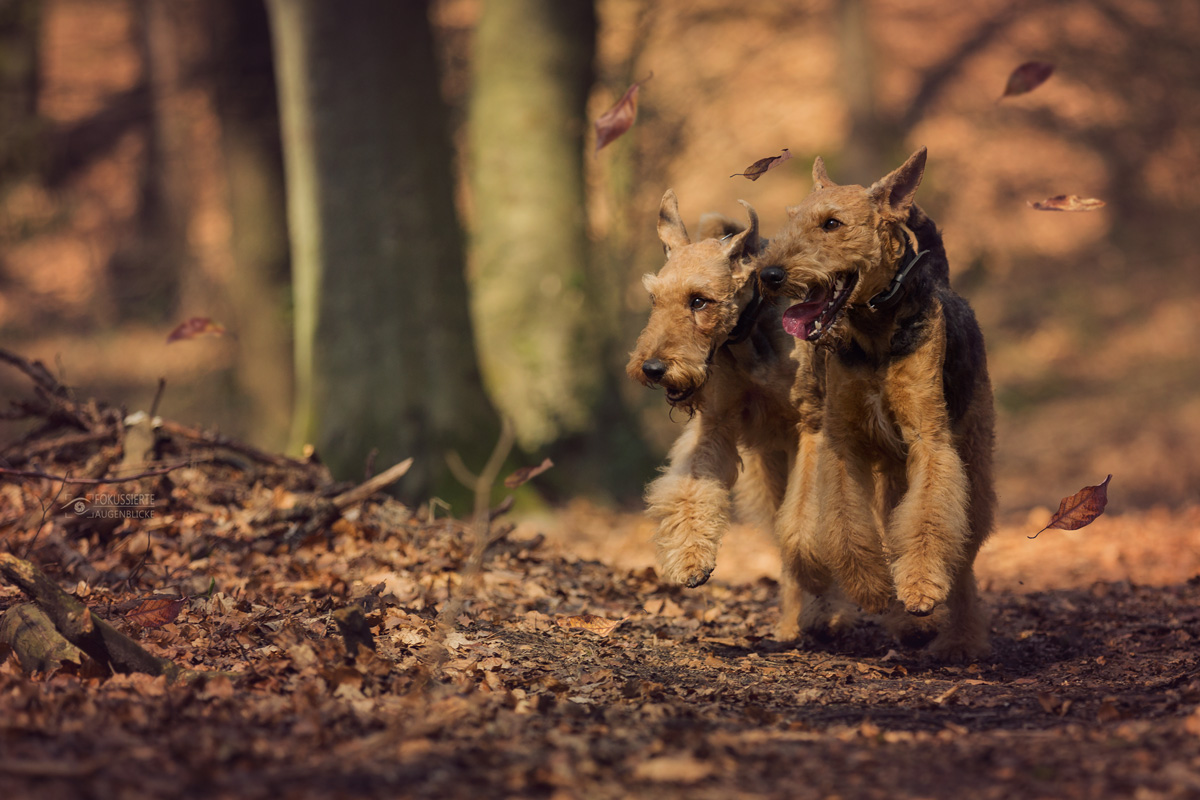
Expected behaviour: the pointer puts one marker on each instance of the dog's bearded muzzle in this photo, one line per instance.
(680, 384)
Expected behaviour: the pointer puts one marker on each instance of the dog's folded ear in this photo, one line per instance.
(671, 230)
(717, 226)
(894, 192)
(745, 244)
(821, 179)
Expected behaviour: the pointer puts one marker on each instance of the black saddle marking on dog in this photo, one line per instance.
(928, 283)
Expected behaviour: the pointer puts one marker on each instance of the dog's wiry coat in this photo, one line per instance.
(895, 499)
(722, 356)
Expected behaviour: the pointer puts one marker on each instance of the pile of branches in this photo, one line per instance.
(80, 456)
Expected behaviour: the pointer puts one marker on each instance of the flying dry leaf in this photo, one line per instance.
(1067, 202)
(526, 474)
(590, 622)
(618, 119)
(1027, 77)
(196, 326)
(154, 612)
(1080, 508)
(756, 170)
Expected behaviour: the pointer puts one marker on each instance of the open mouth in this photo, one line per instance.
(817, 313)
(679, 395)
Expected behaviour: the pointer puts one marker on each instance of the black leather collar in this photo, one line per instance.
(894, 292)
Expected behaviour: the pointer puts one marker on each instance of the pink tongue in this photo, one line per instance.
(798, 319)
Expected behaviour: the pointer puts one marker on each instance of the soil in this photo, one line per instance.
(1091, 689)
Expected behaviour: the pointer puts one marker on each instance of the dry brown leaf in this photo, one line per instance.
(673, 769)
(590, 622)
(526, 474)
(1079, 509)
(756, 170)
(618, 119)
(1067, 202)
(1027, 77)
(154, 612)
(196, 326)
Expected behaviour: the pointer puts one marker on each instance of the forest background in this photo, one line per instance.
(400, 220)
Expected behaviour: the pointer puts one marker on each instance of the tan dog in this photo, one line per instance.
(722, 356)
(896, 498)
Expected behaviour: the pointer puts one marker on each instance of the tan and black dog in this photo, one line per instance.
(898, 496)
(721, 354)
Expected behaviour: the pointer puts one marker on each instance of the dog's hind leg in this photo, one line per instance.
(803, 575)
(963, 635)
(850, 533)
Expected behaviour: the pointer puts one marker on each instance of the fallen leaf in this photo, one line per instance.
(590, 622)
(1067, 202)
(525, 474)
(1079, 509)
(673, 769)
(154, 612)
(1191, 723)
(1027, 77)
(756, 170)
(196, 326)
(618, 119)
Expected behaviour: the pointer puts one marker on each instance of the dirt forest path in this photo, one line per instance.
(1091, 691)
(228, 623)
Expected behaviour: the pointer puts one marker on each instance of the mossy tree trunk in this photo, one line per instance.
(529, 244)
(384, 353)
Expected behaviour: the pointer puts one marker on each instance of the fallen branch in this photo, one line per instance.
(83, 628)
(321, 513)
(369, 487)
(38, 644)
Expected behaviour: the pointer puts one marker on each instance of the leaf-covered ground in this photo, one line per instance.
(1092, 689)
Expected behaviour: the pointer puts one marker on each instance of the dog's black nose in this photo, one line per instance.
(772, 277)
(654, 369)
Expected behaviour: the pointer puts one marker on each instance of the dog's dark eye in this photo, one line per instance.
(699, 303)
(652, 301)
(831, 224)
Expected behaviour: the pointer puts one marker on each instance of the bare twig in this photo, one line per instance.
(158, 396)
(36, 371)
(481, 527)
(218, 440)
(154, 473)
(371, 486)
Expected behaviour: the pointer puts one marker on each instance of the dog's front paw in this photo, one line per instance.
(698, 578)
(921, 597)
(690, 566)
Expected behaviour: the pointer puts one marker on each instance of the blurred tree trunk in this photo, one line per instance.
(162, 275)
(384, 353)
(20, 22)
(529, 245)
(258, 286)
(870, 140)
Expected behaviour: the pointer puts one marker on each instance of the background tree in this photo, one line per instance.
(529, 246)
(384, 350)
(244, 79)
(19, 22)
